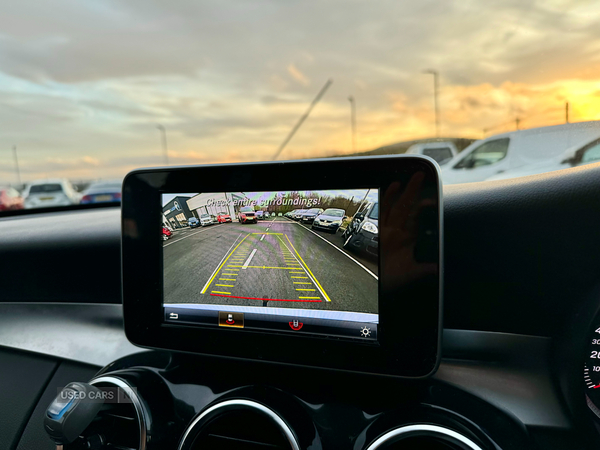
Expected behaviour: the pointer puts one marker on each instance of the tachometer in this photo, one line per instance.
(591, 372)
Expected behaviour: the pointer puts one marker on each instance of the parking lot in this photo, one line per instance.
(274, 263)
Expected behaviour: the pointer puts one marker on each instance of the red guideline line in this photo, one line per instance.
(265, 299)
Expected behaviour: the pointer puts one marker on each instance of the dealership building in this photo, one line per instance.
(214, 204)
(177, 212)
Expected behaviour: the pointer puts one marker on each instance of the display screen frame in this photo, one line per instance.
(409, 332)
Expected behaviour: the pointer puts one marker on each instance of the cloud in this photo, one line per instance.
(85, 83)
(297, 75)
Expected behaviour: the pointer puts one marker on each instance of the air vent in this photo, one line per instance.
(423, 437)
(119, 425)
(239, 425)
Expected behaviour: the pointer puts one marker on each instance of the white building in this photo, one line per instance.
(214, 203)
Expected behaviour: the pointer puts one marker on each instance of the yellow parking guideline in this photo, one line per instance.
(301, 282)
(311, 297)
(309, 271)
(222, 264)
(300, 277)
(226, 279)
(224, 285)
(220, 292)
(300, 289)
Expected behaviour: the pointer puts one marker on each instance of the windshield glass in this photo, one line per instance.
(313, 211)
(246, 209)
(93, 90)
(45, 188)
(374, 213)
(334, 212)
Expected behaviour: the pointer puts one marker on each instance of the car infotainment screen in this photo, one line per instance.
(284, 261)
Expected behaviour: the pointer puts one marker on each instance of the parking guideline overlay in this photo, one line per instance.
(302, 280)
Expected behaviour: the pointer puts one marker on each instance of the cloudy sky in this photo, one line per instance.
(84, 84)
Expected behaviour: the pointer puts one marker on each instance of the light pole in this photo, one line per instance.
(435, 74)
(14, 149)
(353, 121)
(163, 133)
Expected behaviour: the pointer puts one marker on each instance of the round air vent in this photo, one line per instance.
(119, 425)
(423, 437)
(239, 425)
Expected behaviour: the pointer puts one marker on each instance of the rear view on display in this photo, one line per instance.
(342, 271)
(273, 274)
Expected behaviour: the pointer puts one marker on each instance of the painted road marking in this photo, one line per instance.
(341, 251)
(220, 292)
(223, 261)
(245, 266)
(309, 297)
(191, 234)
(306, 269)
(226, 279)
(313, 290)
(262, 237)
(300, 277)
(224, 285)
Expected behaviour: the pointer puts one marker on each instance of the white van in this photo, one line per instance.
(575, 156)
(506, 152)
(441, 152)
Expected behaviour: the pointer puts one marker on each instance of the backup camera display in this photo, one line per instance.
(294, 262)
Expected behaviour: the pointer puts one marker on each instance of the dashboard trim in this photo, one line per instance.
(423, 430)
(235, 404)
(135, 400)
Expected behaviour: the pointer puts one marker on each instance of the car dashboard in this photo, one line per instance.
(520, 315)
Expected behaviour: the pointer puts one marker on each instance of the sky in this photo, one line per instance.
(83, 85)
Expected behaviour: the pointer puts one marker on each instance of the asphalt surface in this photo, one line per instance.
(274, 263)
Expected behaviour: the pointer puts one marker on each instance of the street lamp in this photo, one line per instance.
(164, 142)
(353, 121)
(435, 74)
(14, 149)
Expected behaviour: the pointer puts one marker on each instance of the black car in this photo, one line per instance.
(310, 215)
(362, 233)
(329, 220)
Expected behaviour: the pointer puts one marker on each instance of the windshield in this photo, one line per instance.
(45, 188)
(246, 209)
(93, 90)
(204, 216)
(374, 213)
(334, 212)
(313, 211)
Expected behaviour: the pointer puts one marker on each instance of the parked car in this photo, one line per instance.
(573, 157)
(362, 233)
(260, 215)
(279, 214)
(329, 220)
(223, 217)
(267, 215)
(102, 192)
(10, 199)
(193, 222)
(310, 215)
(298, 213)
(511, 151)
(206, 219)
(51, 192)
(246, 215)
(166, 233)
(441, 152)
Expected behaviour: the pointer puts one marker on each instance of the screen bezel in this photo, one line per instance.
(408, 343)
